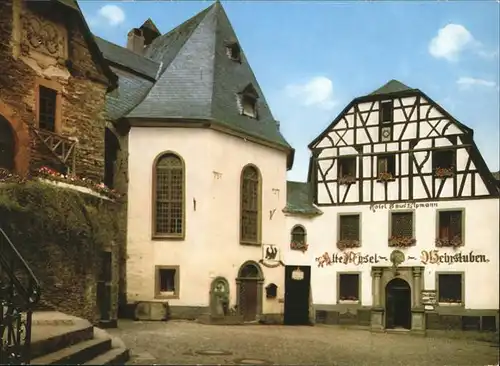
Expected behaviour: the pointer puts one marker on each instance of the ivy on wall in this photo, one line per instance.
(60, 234)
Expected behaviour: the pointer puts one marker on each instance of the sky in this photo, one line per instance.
(312, 58)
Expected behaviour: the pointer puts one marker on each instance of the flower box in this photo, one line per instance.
(349, 298)
(444, 172)
(298, 246)
(401, 241)
(455, 242)
(346, 180)
(348, 244)
(385, 177)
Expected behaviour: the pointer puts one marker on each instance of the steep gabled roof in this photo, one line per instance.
(393, 86)
(92, 45)
(197, 80)
(392, 89)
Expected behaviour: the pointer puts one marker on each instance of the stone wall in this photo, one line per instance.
(68, 68)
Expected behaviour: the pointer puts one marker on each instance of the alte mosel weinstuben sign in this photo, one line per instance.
(426, 257)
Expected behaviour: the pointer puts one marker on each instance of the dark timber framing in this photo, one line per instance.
(417, 113)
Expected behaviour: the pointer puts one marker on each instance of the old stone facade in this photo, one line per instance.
(55, 88)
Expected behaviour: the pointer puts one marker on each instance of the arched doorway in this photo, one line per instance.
(249, 287)
(7, 145)
(398, 304)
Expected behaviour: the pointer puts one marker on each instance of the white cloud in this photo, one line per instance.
(450, 41)
(111, 15)
(453, 39)
(468, 82)
(317, 92)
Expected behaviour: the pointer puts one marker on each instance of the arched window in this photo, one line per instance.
(250, 206)
(298, 240)
(168, 193)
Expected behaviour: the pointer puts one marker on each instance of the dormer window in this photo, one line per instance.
(233, 51)
(247, 101)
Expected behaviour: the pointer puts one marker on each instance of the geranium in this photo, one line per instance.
(385, 177)
(443, 172)
(348, 244)
(401, 241)
(298, 246)
(100, 188)
(454, 242)
(347, 179)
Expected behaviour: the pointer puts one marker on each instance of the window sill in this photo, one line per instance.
(349, 302)
(250, 243)
(454, 304)
(166, 297)
(386, 180)
(167, 237)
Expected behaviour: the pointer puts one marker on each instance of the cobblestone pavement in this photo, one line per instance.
(178, 342)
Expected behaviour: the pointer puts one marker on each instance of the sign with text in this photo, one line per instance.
(429, 299)
(426, 257)
(437, 257)
(402, 206)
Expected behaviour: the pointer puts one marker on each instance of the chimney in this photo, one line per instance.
(135, 41)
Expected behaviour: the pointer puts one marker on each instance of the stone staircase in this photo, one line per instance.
(59, 338)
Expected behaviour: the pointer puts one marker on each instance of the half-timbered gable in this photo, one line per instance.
(397, 144)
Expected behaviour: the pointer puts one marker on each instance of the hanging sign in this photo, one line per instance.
(298, 275)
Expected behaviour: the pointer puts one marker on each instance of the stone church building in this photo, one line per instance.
(396, 225)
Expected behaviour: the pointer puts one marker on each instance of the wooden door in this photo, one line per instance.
(248, 299)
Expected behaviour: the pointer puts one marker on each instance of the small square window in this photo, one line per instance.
(167, 282)
(449, 229)
(386, 165)
(349, 227)
(233, 51)
(450, 288)
(347, 167)
(443, 163)
(348, 287)
(386, 112)
(249, 106)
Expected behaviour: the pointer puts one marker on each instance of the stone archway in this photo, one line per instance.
(7, 145)
(249, 289)
(398, 304)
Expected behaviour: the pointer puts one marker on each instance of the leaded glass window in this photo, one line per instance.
(250, 205)
(169, 196)
(450, 225)
(349, 227)
(402, 224)
(299, 235)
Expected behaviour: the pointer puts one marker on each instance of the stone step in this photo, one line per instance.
(47, 339)
(76, 354)
(59, 338)
(115, 356)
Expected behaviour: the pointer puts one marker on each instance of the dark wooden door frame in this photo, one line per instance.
(288, 296)
(392, 290)
(259, 278)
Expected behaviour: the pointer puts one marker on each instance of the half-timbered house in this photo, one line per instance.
(408, 231)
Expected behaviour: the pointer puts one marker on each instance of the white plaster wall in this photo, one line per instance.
(213, 163)
(481, 234)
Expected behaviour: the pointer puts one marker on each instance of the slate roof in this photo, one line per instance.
(127, 58)
(193, 79)
(393, 86)
(299, 200)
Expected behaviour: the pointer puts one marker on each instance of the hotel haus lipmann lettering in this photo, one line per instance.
(426, 257)
(402, 206)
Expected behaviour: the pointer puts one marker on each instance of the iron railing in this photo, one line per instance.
(19, 292)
